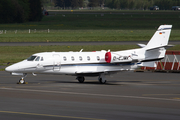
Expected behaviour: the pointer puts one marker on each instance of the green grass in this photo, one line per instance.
(17, 53)
(122, 26)
(82, 35)
(143, 20)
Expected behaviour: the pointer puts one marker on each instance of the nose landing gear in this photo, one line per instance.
(22, 81)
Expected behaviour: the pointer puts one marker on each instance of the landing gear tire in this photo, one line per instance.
(21, 81)
(80, 79)
(102, 81)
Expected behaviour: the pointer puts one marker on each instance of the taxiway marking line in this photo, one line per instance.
(49, 115)
(159, 94)
(91, 94)
(176, 98)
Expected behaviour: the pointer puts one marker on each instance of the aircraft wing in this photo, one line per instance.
(88, 73)
(97, 73)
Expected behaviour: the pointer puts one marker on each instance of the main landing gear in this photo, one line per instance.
(21, 81)
(80, 79)
(101, 79)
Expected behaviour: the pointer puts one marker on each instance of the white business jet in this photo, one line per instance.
(98, 63)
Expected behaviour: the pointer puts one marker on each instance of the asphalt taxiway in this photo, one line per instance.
(126, 96)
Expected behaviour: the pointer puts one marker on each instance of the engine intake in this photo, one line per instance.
(108, 57)
(116, 58)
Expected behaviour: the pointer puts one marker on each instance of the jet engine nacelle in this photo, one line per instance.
(116, 58)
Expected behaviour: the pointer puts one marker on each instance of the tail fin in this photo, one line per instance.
(156, 48)
(160, 37)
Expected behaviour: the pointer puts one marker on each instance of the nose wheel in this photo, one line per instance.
(22, 81)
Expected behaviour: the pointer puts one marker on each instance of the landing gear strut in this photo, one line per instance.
(21, 81)
(102, 79)
(80, 79)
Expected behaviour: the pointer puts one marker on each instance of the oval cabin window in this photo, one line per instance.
(80, 58)
(88, 58)
(64, 58)
(98, 58)
(72, 58)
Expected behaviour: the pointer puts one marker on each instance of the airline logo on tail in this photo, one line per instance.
(161, 32)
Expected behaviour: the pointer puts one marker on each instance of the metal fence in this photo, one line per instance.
(171, 63)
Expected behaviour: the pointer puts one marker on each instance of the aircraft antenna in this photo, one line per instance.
(81, 50)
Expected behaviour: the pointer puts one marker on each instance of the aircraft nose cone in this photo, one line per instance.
(8, 69)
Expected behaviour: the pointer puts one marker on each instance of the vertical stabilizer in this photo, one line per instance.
(160, 38)
(156, 47)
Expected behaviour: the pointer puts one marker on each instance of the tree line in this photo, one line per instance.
(68, 3)
(19, 11)
(118, 4)
(141, 4)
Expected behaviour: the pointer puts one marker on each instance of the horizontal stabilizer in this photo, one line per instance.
(166, 47)
(169, 46)
(148, 64)
(141, 45)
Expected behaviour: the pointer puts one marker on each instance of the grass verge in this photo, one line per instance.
(92, 26)
(17, 53)
(82, 35)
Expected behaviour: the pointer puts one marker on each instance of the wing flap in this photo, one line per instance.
(97, 73)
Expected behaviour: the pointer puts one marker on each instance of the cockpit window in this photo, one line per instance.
(42, 59)
(31, 58)
(37, 59)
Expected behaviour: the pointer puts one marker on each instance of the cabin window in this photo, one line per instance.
(98, 58)
(88, 58)
(72, 58)
(37, 59)
(31, 58)
(80, 58)
(42, 59)
(125, 57)
(64, 58)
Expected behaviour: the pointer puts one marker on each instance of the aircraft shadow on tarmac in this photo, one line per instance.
(86, 82)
